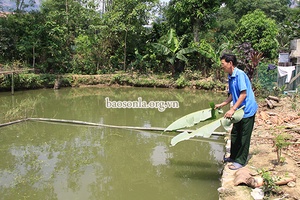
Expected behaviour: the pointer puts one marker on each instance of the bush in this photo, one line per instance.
(32, 81)
(181, 82)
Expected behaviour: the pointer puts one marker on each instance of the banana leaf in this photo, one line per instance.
(236, 117)
(204, 131)
(190, 119)
(207, 130)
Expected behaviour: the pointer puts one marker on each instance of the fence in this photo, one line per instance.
(292, 78)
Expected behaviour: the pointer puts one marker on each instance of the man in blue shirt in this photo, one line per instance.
(241, 94)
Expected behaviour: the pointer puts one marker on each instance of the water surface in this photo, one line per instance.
(63, 161)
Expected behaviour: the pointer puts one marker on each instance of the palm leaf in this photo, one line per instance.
(190, 119)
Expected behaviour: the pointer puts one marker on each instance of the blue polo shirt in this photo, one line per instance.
(239, 82)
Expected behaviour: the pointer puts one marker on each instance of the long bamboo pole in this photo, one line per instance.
(113, 126)
(110, 126)
(97, 124)
(13, 122)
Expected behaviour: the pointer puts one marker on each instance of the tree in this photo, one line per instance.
(173, 50)
(6, 39)
(125, 20)
(29, 43)
(1, 6)
(226, 22)
(275, 9)
(92, 52)
(22, 5)
(192, 15)
(18, 33)
(278, 10)
(65, 21)
(260, 31)
(289, 29)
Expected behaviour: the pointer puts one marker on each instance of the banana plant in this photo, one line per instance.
(206, 49)
(172, 50)
(206, 130)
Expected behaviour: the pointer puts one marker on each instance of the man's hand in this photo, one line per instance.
(229, 113)
(218, 106)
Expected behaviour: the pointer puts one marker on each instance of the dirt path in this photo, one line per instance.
(284, 118)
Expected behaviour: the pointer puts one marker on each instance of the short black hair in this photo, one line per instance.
(228, 58)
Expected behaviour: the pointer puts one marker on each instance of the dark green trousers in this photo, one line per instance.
(240, 140)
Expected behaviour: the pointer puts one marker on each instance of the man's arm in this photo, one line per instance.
(241, 98)
(224, 103)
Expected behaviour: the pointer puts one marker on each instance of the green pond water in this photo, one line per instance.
(42, 160)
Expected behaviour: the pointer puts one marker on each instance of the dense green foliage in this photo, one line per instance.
(85, 37)
(192, 16)
(260, 31)
(173, 52)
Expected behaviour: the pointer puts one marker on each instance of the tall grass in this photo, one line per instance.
(20, 110)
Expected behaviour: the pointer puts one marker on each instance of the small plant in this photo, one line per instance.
(269, 185)
(281, 142)
(279, 90)
(294, 101)
(116, 78)
(294, 106)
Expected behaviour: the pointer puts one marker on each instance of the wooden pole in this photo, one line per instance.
(12, 84)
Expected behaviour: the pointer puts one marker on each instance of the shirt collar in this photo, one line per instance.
(233, 73)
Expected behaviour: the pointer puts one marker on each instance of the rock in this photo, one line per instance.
(226, 191)
(257, 194)
(291, 184)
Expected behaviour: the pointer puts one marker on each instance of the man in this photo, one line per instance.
(241, 94)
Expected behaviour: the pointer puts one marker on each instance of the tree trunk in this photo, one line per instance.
(33, 56)
(196, 28)
(67, 12)
(125, 50)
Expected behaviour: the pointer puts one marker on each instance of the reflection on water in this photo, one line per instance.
(160, 155)
(62, 161)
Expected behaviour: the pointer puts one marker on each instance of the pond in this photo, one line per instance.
(42, 160)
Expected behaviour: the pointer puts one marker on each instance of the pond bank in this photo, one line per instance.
(37, 81)
(284, 119)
